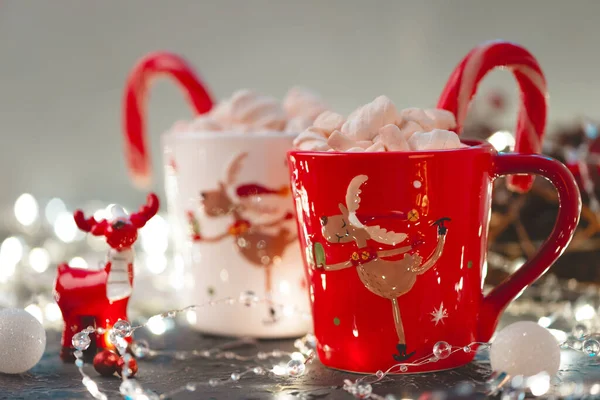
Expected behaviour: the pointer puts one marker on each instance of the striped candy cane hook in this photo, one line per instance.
(134, 106)
(531, 123)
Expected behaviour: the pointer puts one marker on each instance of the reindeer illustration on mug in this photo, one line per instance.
(389, 279)
(262, 242)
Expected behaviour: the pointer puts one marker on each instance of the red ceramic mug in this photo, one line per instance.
(395, 248)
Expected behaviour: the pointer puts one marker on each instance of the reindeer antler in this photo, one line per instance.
(96, 228)
(353, 199)
(146, 212)
(234, 168)
(376, 232)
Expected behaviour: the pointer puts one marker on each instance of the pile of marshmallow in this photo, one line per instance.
(250, 112)
(378, 126)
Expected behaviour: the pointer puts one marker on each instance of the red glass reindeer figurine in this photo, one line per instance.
(99, 298)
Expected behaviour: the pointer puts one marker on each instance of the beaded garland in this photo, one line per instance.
(297, 363)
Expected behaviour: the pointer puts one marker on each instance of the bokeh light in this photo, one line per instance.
(584, 312)
(502, 140)
(65, 227)
(26, 209)
(36, 311)
(52, 312)
(11, 250)
(39, 259)
(156, 263)
(78, 262)
(53, 209)
(154, 236)
(156, 325)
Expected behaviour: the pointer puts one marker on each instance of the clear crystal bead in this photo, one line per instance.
(295, 368)
(191, 387)
(363, 390)
(79, 363)
(580, 331)
(235, 376)
(259, 370)
(311, 340)
(81, 341)
(172, 314)
(122, 328)
(78, 353)
(591, 347)
(442, 350)
(229, 355)
(130, 387)
(403, 368)
(140, 348)
(262, 355)
(379, 374)
(213, 382)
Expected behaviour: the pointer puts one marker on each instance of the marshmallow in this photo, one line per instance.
(378, 126)
(442, 119)
(430, 119)
(180, 126)
(221, 113)
(375, 147)
(392, 138)
(329, 121)
(408, 128)
(298, 124)
(260, 112)
(340, 142)
(269, 122)
(364, 143)
(313, 139)
(366, 121)
(418, 116)
(204, 123)
(249, 112)
(300, 102)
(436, 139)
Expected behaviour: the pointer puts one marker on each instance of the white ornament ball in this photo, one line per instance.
(22, 341)
(525, 348)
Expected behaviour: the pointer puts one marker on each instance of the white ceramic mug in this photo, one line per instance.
(231, 214)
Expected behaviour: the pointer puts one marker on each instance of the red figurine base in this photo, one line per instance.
(99, 298)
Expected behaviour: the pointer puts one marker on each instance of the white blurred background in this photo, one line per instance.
(64, 64)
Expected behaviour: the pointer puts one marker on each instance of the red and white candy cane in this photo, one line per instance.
(134, 105)
(531, 122)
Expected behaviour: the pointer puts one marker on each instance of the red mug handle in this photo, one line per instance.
(569, 209)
